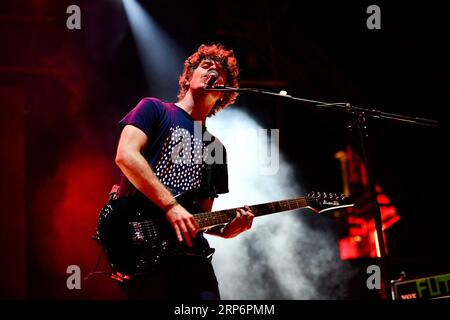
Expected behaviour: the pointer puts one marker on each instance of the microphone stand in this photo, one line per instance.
(361, 116)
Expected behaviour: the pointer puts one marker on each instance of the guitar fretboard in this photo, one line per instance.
(209, 219)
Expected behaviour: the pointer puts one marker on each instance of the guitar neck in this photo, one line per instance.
(209, 219)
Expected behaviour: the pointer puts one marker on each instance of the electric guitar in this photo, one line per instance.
(137, 236)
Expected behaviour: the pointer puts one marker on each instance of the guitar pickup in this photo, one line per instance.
(137, 233)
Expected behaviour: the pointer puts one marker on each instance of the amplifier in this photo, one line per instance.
(430, 287)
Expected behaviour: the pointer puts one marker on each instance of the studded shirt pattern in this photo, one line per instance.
(175, 154)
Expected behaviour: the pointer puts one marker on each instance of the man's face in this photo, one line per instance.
(200, 74)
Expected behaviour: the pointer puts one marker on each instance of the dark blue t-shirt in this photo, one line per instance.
(181, 152)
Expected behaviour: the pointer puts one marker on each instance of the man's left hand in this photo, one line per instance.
(242, 222)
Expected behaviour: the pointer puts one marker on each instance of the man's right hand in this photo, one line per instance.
(183, 223)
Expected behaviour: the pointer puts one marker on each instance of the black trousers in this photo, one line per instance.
(183, 278)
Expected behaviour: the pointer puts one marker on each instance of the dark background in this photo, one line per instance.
(62, 93)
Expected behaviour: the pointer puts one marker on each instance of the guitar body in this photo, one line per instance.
(136, 235)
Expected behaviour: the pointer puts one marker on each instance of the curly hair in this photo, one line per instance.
(218, 53)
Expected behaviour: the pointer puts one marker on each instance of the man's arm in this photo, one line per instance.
(242, 222)
(135, 167)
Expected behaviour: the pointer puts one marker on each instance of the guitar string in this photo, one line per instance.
(220, 217)
(217, 216)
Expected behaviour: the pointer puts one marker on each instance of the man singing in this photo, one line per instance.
(161, 157)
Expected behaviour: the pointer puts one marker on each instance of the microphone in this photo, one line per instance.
(213, 75)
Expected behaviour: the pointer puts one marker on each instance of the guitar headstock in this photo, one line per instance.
(324, 201)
